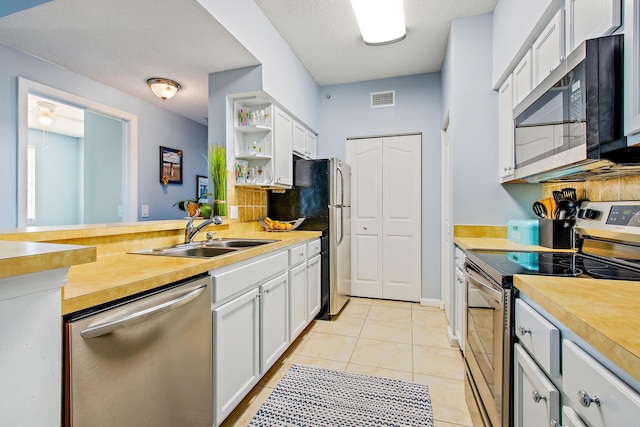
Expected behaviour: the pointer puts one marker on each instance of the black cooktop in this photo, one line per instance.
(502, 264)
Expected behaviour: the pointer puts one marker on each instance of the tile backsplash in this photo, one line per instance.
(623, 188)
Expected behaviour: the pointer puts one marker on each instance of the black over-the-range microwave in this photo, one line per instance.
(572, 122)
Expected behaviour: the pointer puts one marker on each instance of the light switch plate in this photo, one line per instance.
(233, 212)
(145, 211)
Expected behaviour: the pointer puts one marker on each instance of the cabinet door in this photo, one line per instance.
(283, 142)
(235, 351)
(536, 401)
(312, 145)
(570, 418)
(589, 19)
(548, 49)
(297, 300)
(274, 326)
(299, 139)
(598, 396)
(460, 307)
(313, 287)
(522, 79)
(632, 66)
(506, 129)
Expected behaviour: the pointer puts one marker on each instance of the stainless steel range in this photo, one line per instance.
(607, 240)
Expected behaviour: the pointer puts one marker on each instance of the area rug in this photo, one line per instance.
(315, 397)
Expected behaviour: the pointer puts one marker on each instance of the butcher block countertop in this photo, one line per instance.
(106, 271)
(605, 313)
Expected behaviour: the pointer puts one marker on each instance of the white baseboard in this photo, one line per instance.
(453, 339)
(432, 303)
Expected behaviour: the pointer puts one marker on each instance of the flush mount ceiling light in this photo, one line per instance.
(45, 113)
(381, 21)
(163, 88)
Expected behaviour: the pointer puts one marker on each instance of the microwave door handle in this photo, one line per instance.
(140, 316)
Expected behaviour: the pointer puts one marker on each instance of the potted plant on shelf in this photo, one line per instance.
(218, 171)
(191, 205)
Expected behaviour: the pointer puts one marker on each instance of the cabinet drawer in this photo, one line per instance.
(237, 279)
(313, 248)
(536, 400)
(539, 337)
(297, 255)
(570, 418)
(584, 378)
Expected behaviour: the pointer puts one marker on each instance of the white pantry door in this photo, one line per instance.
(386, 217)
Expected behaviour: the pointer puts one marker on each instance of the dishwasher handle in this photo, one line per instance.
(140, 316)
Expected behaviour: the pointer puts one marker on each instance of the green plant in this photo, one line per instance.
(218, 171)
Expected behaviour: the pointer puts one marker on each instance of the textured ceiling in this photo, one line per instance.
(121, 43)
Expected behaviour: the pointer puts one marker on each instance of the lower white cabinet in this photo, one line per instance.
(236, 350)
(274, 326)
(297, 300)
(314, 273)
(535, 399)
(569, 419)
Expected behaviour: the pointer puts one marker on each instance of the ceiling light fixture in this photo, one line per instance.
(45, 113)
(163, 88)
(381, 21)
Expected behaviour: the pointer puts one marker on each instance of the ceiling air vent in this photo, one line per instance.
(383, 99)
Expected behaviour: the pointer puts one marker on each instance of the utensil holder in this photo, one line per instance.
(555, 233)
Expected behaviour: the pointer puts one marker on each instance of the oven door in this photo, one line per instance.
(487, 345)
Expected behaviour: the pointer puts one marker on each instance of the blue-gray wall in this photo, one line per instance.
(156, 127)
(345, 112)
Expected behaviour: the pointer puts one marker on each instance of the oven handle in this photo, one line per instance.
(483, 284)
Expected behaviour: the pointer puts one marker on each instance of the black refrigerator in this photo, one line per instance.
(321, 193)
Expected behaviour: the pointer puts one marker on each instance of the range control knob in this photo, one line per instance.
(588, 213)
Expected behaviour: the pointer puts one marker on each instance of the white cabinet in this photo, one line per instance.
(506, 129)
(236, 349)
(313, 287)
(283, 143)
(586, 19)
(274, 325)
(597, 396)
(297, 299)
(540, 337)
(253, 142)
(523, 78)
(632, 67)
(304, 141)
(548, 49)
(536, 401)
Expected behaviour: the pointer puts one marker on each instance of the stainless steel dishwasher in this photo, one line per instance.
(146, 361)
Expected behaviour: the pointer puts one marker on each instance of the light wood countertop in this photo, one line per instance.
(499, 244)
(18, 258)
(120, 275)
(605, 313)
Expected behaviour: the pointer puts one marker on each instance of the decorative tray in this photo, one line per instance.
(274, 225)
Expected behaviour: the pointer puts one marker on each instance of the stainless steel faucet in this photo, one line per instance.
(191, 232)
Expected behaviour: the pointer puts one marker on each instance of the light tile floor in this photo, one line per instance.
(400, 340)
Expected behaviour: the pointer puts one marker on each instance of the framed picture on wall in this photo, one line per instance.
(202, 185)
(170, 166)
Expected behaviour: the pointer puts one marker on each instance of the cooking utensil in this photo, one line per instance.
(540, 210)
(566, 209)
(550, 206)
(557, 195)
(569, 193)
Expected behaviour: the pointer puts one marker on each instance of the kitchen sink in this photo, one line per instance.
(206, 249)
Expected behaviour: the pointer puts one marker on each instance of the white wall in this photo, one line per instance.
(345, 112)
(156, 127)
(516, 25)
(478, 197)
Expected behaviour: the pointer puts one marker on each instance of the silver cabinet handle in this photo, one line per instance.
(586, 400)
(140, 316)
(554, 423)
(523, 331)
(537, 397)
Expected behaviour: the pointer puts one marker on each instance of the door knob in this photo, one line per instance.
(523, 331)
(365, 227)
(537, 397)
(586, 400)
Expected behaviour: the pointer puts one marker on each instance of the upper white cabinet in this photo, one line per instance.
(283, 144)
(523, 78)
(304, 141)
(505, 125)
(586, 19)
(312, 145)
(632, 66)
(548, 49)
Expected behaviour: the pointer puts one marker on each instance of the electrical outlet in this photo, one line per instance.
(233, 212)
(145, 211)
(120, 211)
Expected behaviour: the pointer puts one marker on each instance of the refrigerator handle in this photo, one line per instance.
(341, 187)
(339, 239)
